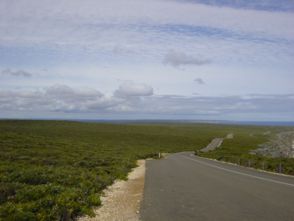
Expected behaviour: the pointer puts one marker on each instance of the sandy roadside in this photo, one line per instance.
(121, 201)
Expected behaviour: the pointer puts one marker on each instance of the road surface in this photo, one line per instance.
(215, 143)
(186, 187)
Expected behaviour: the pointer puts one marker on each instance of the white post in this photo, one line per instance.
(263, 166)
(280, 167)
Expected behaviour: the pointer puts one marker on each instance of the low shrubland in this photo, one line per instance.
(57, 170)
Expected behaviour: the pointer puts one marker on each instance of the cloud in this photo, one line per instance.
(179, 58)
(18, 73)
(66, 15)
(69, 94)
(57, 98)
(90, 30)
(131, 37)
(63, 99)
(132, 89)
(267, 5)
(199, 81)
(66, 99)
(217, 107)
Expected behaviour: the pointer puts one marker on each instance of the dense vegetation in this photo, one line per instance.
(56, 170)
(52, 170)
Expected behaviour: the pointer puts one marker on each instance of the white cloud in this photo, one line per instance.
(18, 73)
(176, 59)
(140, 31)
(71, 23)
(55, 98)
(63, 99)
(199, 81)
(93, 43)
(132, 89)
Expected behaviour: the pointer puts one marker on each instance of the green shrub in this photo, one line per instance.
(57, 170)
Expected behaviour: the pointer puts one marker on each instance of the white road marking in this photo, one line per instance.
(240, 173)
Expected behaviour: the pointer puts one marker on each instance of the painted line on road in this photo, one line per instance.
(239, 173)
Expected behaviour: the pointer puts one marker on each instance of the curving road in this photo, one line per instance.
(186, 187)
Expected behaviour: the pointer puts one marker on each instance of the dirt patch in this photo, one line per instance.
(121, 201)
(280, 145)
(230, 136)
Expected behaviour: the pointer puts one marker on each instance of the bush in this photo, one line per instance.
(56, 170)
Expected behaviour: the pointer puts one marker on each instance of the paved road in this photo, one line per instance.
(215, 143)
(185, 187)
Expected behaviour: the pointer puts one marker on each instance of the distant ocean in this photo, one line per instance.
(138, 121)
(168, 121)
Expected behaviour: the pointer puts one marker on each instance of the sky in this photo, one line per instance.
(147, 59)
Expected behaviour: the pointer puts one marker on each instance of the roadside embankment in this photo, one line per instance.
(121, 201)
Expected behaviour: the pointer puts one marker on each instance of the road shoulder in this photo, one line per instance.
(121, 201)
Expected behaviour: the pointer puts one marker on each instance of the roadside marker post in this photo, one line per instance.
(263, 165)
(280, 167)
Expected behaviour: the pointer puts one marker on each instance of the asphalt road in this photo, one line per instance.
(215, 143)
(185, 187)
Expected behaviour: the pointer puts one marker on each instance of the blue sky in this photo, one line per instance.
(194, 59)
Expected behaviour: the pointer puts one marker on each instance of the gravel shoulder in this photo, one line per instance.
(121, 201)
